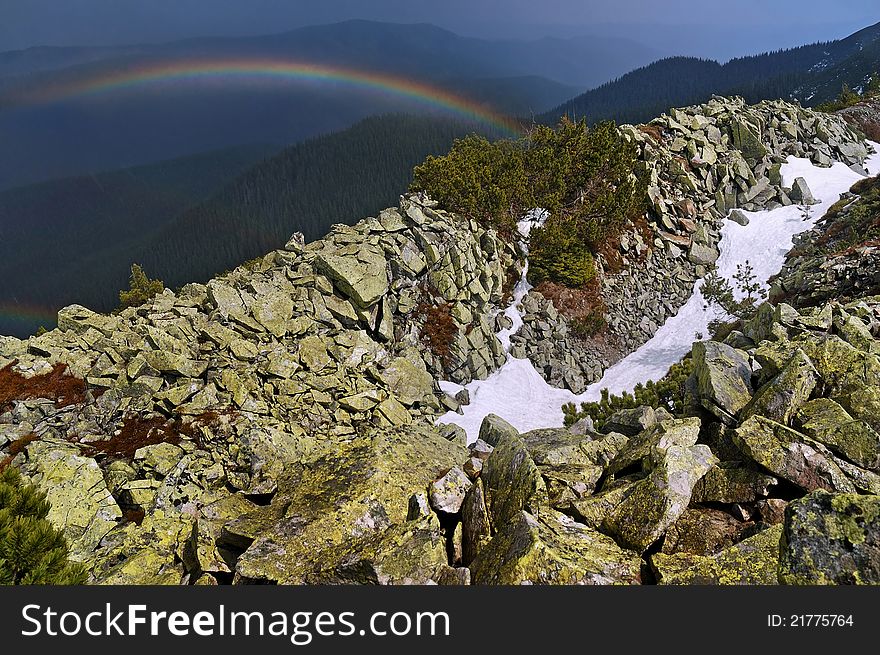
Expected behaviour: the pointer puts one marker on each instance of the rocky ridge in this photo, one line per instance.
(840, 257)
(770, 477)
(275, 426)
(702, 162)
(198, 403)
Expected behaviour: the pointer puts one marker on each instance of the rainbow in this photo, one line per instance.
(277, 70)
(28, 314)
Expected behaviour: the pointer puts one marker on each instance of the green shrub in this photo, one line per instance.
(583, 176)
(846, 98)
(140, 289)
(588, 325)
(587, 174)
(31, 550)
(480, 179)
(558, 253)
(668, 392)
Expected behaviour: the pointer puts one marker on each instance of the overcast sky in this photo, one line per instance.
(716, 28)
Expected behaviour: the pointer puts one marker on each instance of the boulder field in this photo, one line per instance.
(276, 425)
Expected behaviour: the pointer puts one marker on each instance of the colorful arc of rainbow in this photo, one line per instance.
(28, 313)
(279, 70)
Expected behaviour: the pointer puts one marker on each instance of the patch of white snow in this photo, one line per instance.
(517, 392)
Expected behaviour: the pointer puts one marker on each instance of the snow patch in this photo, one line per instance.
(534, 218)
(872, 163)
(517, 392)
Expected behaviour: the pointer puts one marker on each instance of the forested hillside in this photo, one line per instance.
(339, 178)
(811, 73)
(84, 256)
(70, 213)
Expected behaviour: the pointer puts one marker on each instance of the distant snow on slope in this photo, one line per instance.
(517, 392)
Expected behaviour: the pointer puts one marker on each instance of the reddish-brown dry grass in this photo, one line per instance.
(852, 250)
(137, 432)
(869, 128)
(57, 385)
(438, 329)
(583, 307)
(16, 447)
(872, 131)
(609, 246)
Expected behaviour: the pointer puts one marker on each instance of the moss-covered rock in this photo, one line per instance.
(864, 405)
(410, 553)
(512, 482)
(570, 464)
(852, 330)
(83, 508)
(326, 511)
(753, 561)
(656, 440)
(723, 378)
(592, 510)
(843, 368)
(273, 311)
(782, 396)
(827, 422)
(313, 353)
(746, 138)
(553, 447)
(159, 551)
(653, 504)
(551, 548)
(831, 539)
(733, 482)
(360, 275)
(783, 452)
(702, 531)
(494, 428)
(630, 422)
(476, 528)
(408, 380)
(214, 556)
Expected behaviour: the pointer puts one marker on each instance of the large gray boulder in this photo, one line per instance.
(551, 548)
(360, 273)
(723, 378)
(786, 393)
(800, 192)
(82, 506)
(786, 453)
(656, 502)
(512, 482)
(494, 428)
(831, 539)
(827, 422)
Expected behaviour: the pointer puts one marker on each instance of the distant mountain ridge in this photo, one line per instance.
(811, 73)
(579, 61)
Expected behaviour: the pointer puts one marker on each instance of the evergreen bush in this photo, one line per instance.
(668, 393)
(583, 176)
(32, 551)
(140, 289)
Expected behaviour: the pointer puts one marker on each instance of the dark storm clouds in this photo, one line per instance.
(705, 27)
